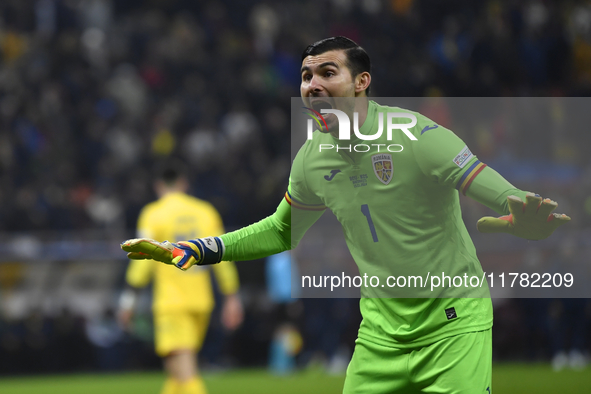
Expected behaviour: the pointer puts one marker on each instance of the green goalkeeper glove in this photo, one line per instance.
(532, 219)
(183, 255)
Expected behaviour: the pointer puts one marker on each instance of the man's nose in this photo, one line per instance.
(315, 85)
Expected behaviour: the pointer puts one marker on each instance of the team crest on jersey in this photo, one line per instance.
(382, 167)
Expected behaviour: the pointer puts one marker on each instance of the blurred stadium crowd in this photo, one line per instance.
(94, 92)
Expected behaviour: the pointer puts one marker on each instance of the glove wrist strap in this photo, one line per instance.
(212, 249)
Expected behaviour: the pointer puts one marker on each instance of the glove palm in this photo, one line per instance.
(183, 255)
(532, 219)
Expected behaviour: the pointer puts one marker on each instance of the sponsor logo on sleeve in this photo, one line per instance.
(463, 157)
(427, 128)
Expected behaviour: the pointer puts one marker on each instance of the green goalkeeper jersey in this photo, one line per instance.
(399, 209)
(397, 201)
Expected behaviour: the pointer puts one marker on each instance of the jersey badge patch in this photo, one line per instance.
(382, 167)
(451, 313)
(463, 157)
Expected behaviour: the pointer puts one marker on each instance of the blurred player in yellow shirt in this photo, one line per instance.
(183, 301)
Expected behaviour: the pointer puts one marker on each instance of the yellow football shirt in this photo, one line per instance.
(180, 217)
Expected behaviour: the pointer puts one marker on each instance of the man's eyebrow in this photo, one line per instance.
(325, 64)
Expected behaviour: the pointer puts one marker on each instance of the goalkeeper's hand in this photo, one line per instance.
(532, 219)
(183, 255)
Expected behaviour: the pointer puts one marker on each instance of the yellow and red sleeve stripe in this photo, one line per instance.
(469, 175)
(299, 205)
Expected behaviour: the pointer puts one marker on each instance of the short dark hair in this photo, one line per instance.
(170, 171)
(357, 59)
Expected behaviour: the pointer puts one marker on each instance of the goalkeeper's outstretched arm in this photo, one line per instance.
(269, 236)
(444, 157)
(526, 215)
(274, 234)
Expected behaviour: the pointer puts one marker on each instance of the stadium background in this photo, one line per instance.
(94, 92)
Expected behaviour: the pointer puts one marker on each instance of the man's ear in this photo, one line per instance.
(362, 81)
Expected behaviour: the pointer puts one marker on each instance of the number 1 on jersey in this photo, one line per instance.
(365, 211)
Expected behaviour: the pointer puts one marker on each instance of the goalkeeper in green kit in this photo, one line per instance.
(407, 206)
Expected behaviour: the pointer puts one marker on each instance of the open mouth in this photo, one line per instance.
(319, 104)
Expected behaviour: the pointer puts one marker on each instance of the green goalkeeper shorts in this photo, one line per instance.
(461, 364)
